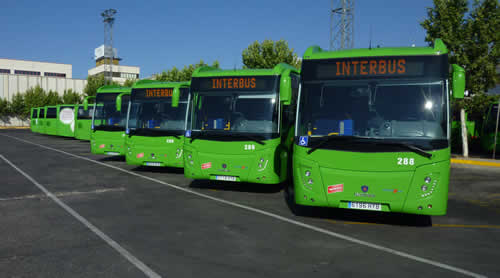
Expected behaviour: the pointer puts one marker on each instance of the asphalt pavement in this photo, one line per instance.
(65, 212)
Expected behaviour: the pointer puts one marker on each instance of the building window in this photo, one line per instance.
(129, 75)
(54, 74)
(4, 71)
(27, 72)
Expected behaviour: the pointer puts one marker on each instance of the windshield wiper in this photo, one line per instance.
(329, 138)
(212, 134)
(253, 138)
(155, 133)
(412, 148)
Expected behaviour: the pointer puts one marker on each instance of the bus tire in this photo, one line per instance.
(296, 209)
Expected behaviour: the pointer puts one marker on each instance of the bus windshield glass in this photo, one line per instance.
(251, 110)
(399, 110)
(105, 115)
(152, 114)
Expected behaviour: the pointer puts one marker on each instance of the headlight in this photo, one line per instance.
(308, 173)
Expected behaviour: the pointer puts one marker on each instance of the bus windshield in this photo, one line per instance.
(414, 111)
(105, 115)
(150, 116)
(237, 112)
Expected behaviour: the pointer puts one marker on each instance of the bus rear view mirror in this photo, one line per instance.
(458, 85)
(119, 101)
(86, 102)
(175, 97)
(286, 89)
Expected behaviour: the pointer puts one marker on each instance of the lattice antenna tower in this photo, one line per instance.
(341, 24)
(108, 17)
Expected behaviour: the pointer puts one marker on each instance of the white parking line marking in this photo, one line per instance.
(275, 216)
(131, 258)
(62, 194)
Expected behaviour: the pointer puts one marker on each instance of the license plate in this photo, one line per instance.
(112, 153)
(225, 178)
(366, 206)
(152, 163)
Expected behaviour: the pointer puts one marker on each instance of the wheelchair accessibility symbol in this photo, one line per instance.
(303, 140)
(188, 133)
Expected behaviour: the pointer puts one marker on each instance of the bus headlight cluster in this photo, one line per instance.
(428, 186)
(308, 173)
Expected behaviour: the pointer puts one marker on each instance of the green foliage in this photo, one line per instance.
(176, 75)
(475, 106)
(71, 97)
(4, 108)
(34, 97)
(52, 98)
(18, 107)
(94, 83)
(129, 82)
(471, 36)
(268, 54)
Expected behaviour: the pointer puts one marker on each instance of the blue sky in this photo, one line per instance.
(157, 35)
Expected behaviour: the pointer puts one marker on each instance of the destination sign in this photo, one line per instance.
(231, 83)
(375, 67)
(159, 93)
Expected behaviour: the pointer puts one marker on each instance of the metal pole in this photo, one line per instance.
(496, 129)
(465, 146)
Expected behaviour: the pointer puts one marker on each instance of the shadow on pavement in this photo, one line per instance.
(236, 186)
(166, 170)
(113, 158)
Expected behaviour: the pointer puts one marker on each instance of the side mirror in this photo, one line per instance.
(86, 102)
(458, 85)
(286, 88)
(119, 101)
(175, 97)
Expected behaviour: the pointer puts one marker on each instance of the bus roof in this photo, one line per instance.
(113, 89)
(210, 71)
(315, 52)
(160, 84)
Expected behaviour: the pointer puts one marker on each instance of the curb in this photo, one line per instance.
(14, 127)
(475, 162)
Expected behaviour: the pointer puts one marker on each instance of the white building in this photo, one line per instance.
(119, 73)
(17, 76)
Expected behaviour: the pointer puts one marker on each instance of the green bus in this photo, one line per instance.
(240, 125)
(41, 120)
(487, 137)
(108, 124)
(83, 119)
(51, 120)
(373, 129)
(66, 120)
(34, 119)
(156, 122)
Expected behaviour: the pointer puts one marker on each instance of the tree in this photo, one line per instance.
(176, 75)
(52, 98)
(34, 97)
(4, 109)
(18, 107)
(71, 97)
(94, 83)
(129, 82)
(473, 40)
(268, 54)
